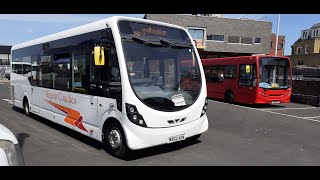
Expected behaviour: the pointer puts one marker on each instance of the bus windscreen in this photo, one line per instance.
(152, 30)
(274, 73)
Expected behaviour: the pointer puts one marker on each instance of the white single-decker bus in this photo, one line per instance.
(129, 83)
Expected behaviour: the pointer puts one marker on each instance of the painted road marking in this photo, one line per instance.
(6, 100)
(2, 117)
(288, 109)
(263, 110)
(312, 117)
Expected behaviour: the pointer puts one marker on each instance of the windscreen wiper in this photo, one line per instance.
(175, 44)
(146, 42)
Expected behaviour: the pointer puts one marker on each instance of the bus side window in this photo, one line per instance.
(62, 71)
(217, 74)
(45, 71)
(230, 72)
(35, 70)
(247, 76)
(207, 72)
(80, 57)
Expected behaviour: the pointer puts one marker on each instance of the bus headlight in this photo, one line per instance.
(134, 116)
(204, 109)
(13, 153)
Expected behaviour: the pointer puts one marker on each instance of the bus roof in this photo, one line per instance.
(94, 26)
(244, 57)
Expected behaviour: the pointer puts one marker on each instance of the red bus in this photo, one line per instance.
(258, 79)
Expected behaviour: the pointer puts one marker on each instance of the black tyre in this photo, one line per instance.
(194, 138)
(115, 141)
(229, 97)
(26, 108)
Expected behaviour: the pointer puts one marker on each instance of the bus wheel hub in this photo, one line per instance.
(114, 139)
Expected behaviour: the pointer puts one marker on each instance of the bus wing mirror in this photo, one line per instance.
(99, 59)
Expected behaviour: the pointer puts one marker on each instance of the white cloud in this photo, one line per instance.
(47, 18)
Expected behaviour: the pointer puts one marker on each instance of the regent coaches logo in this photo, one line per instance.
(61, 97)
(73, 117)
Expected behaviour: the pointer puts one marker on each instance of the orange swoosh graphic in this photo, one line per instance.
(73, 117)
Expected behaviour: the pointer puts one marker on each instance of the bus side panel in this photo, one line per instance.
(18, 95)
(230, 84)
(107, 110)
(35, 100)
(213, 90)
(216, 90)
(26, 89)
(20, 88)
(244, 94)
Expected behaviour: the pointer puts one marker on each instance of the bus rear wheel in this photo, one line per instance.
(26, 107)
(229, 97)
(115, 141)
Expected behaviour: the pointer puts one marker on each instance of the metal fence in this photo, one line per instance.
(306, 99)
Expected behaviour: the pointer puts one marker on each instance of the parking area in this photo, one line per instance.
(300, 111)
(238, 135)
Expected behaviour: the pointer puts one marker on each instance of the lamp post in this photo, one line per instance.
(276, 49)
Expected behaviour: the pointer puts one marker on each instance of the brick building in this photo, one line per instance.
(281, 45)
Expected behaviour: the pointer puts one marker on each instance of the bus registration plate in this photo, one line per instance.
(176, 138)
(275, 102)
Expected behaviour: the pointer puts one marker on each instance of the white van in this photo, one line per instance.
(10, 152)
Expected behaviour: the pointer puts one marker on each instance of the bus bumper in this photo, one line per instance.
(139, 137)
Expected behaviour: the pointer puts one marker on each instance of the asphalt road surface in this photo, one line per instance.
(237, 135)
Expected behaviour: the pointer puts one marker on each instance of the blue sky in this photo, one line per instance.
(17, 28)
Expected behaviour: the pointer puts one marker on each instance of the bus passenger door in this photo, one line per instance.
(245, 91)
(35, 91)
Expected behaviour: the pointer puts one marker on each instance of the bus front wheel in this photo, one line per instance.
(115, 140)
(194, 138)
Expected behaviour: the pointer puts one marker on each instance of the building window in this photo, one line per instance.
(317, 33)
(4, 59)
(306, 50)
(271, 45)
(196, 33)
(281, 46)
(234, 39)
(246, 40)
(304, 35)
(216, 38)
(257, 40)
(299, 50)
